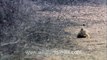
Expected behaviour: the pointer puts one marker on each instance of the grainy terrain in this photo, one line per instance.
(42, 25)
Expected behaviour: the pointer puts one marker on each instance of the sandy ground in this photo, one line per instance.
(67, 21)
(93, 48)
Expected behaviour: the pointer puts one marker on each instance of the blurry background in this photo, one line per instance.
(50, 24)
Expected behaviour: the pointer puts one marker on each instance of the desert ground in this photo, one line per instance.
(50, 27)
(94, 48)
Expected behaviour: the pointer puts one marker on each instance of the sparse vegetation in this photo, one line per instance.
(51, 24)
